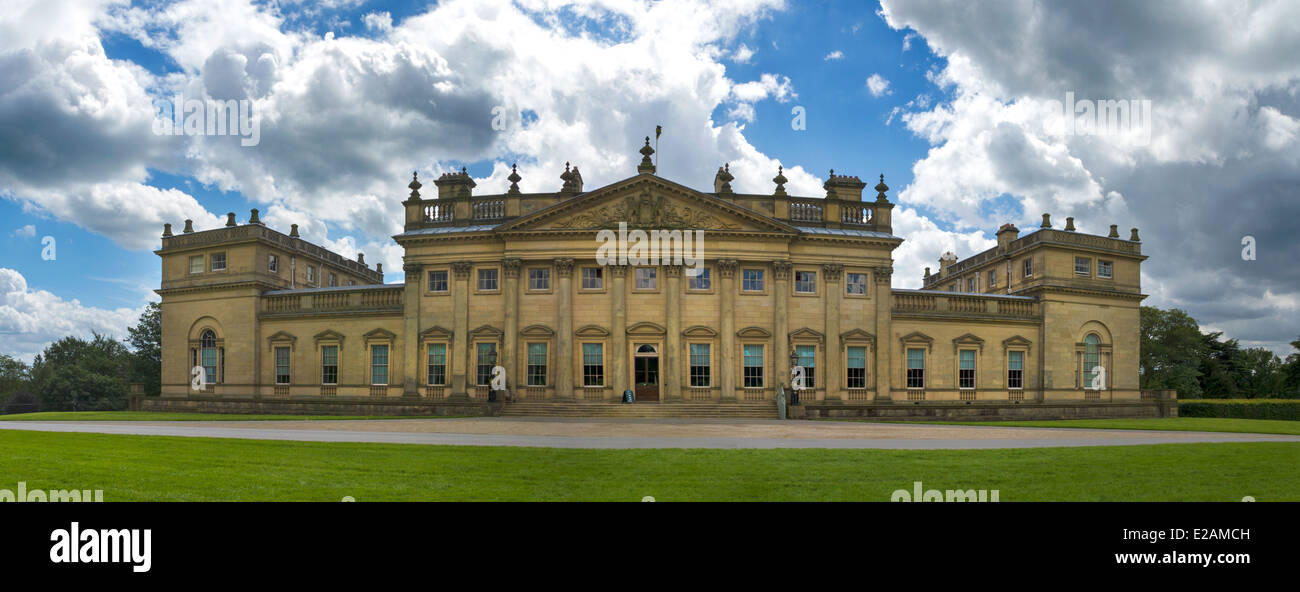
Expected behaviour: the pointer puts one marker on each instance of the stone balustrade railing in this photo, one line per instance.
(928, 302)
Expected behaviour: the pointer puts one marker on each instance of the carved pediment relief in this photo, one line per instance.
(647, 203)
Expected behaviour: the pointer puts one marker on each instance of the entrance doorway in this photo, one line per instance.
(645, 365)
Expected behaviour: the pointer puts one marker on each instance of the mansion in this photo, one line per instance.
(515, 280)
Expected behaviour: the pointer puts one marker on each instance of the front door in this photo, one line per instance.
(645, 367)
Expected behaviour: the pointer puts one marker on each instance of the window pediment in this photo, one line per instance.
(699, 331)
(969, 340)
(537, 331)
(917, 338)
(591, 331)
(647, 328)
(754, 332)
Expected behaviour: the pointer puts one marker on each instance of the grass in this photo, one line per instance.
(152, 468)
(1181, 424)
(163, 416)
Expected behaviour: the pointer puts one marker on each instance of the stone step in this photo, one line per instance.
(643, 410)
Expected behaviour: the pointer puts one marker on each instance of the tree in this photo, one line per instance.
(1291, 372)
(14, 375)
(1259, 373)
(1172, 348)
(73, 374)
(146, 340)
(1219, 367)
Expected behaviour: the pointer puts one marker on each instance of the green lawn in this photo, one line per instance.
(1182, 424)
(143, 468)
(163, 416)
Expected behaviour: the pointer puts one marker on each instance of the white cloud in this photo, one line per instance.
(878, 85)
(834, 55)
(30, 319)
(743, 54)
(378, 21)
(27, 231)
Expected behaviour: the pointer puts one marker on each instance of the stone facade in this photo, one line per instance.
(520, 280)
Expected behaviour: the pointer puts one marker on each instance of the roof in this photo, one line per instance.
(846, 232)
(951, 293)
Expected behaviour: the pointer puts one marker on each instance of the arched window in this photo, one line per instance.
(646, 349)
(1091, 356)
(208, 355)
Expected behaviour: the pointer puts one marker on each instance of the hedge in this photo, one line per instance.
(1241, 408)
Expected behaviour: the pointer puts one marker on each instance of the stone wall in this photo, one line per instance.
(318, 406)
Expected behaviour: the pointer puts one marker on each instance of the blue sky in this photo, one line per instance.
(355, 94)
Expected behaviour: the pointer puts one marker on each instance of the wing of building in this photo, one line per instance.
(678, 295)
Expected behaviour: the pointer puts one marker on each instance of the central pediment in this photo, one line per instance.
(647, 202)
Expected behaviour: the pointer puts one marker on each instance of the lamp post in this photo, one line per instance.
(794, 363)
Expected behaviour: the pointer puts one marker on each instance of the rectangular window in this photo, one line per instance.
(752, 280)
(282, 365)
(753, 366)
(1029, 267)
(993, 278)
(970, 284)
(334, 280)
(856, 283)
(1082, 266)
(437, 371)
(329, 364)
(966, 369)
(593, 364)
(699, 364)
(915, 368)
(272, 263)
(808, 359)
(485, 361)
(952, 288)
(1015, 370)
(196, 264)
(539, 279)
(311, 274)
(487, 280)
(210, 364)
(1103, 269)
(856, 363)
(438, 281)
(218, 261)
(593, 278)
(379, 364)
(537, 364)
(699, 281)
(805, 282)
(647, 278)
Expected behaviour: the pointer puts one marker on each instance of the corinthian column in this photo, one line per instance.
(510, 349)
(781, 343)
(617, 355)
(672, 354)
(460, 328)
(411, 332)
(564, 383)
(884, 332)
(830, 351)
(727, 338)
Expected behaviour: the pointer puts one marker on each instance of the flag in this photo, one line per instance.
(659, 130)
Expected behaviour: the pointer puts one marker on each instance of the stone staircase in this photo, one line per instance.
(766, 410)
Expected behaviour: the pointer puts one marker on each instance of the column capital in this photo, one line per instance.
(673, 271)
(727, 267)
(461, 269)
(511, 266)
(564, 266)
(882, 274)
(833, 271)
(618, 270)
(781, 269)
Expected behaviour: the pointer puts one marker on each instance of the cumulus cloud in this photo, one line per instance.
(27, 231)
(743, 54)
(378, 21)
(30, 318)
(834, 55)
(1219, 163)
(878, 86)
